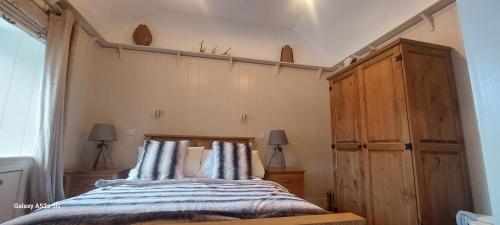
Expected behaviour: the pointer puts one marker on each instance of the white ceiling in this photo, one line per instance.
(280, 13)
(330, 29)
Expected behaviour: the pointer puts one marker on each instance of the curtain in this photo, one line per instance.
(47, 172)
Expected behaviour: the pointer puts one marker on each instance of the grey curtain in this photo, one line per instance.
(47, 172)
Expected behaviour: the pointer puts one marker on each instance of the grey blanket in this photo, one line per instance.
(180, 200)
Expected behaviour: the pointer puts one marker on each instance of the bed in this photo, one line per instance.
(186, 200)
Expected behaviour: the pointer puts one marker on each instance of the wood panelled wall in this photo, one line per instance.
(197, 97)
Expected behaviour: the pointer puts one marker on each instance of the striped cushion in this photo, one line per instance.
(162, 160)
(232, 161)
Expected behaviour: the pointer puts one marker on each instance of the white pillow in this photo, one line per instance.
(207, 164)
(257, 167)
(192, 164)
(133, 173)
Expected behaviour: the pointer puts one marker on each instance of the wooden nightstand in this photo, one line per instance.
(292, 179)
(79, 182)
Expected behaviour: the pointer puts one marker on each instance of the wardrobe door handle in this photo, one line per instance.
(364, 145)
(359, 146)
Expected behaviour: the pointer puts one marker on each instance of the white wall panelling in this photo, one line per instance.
(198, 97)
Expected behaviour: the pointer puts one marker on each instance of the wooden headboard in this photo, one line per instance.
(199, 141)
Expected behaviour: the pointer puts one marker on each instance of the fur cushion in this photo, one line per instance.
(232, 161)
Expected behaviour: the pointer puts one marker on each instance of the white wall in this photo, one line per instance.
(341, 27)
(447, 32)
(322, 32)
(185, 32)
(481, 31)
(199, 97)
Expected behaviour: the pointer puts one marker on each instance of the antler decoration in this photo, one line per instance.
(227, 51)
(214, 50)
(202, 49)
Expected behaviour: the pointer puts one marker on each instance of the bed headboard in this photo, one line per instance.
(199, 141)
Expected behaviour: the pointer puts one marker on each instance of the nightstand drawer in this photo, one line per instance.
(291, 180)
(79, 182)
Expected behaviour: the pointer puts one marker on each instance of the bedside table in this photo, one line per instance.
(291, 179)
(79, 182)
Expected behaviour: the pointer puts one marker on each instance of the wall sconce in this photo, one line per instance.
(157, 114)
(244, 117)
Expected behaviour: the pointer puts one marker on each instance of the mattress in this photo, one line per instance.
(179, 200)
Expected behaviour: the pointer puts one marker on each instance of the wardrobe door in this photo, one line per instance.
(443, 183)
(349, 175)
(391, 186)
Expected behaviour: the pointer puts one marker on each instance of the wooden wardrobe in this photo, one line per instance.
(398, 142)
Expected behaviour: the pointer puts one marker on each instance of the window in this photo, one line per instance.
(21, 67)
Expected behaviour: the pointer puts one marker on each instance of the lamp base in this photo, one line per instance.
(102, 153)
(281, 164)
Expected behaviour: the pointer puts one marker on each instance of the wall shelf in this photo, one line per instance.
(104, 43)
(231, 59)
(425, 15)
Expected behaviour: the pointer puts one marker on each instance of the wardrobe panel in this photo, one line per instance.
(384, 101)
(349, 174)
(345, 104)
(433, 108)
(442, 177)
(349, 196)
(445, 187)
(392, 188)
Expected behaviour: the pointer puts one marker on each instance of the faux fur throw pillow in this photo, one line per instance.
(232, 161)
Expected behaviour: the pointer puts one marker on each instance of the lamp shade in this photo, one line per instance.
(277, 137)
(102, 132)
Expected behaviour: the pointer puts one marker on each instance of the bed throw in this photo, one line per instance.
(468, 218)
(179, 200)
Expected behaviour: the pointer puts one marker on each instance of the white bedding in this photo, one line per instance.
(188, 199)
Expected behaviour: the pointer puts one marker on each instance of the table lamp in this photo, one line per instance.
(102, 133)
(277, 138)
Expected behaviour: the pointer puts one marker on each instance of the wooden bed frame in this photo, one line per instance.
(206, 141)
(199, 141)
(194, 141)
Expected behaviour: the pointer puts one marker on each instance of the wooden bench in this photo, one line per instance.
(327, 219)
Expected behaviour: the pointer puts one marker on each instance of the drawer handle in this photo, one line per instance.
(286, 180)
